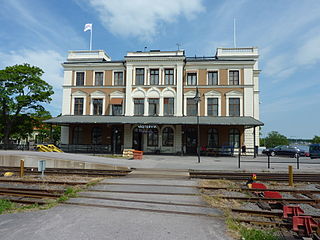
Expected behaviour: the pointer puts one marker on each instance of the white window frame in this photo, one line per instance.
(113, 72)
(213, 70)
(234, 69)
(190, 94)
(117, 94)
(192, 71)
(234, 94)
(79, 94)
(94, 78)
(145, 73)
(75, 78)
(174, 76)
(212, 94)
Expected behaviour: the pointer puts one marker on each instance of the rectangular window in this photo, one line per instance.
(80, 79)
(116, 110)
(153, 106)
(139, 76)
(138, 106)
(234, 77)
(78, 106)
(98, 79)
(212, 106)
(168, 104)
(213, 78)
(97, 106)
(191, 79)
(118, 78)
(169, 76)
(154, 76)
(234, 107)
(191, 107)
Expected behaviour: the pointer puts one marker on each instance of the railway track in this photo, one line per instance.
(23, 181)
(29, 196)
(69, 171)
(280, 177)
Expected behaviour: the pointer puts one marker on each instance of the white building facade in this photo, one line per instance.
(147, 101)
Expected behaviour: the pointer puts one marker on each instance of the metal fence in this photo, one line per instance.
(270, 161)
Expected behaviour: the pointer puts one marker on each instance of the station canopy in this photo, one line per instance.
(186, 120)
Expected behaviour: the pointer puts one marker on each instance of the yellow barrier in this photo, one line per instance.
(43, 148)
(54, 148)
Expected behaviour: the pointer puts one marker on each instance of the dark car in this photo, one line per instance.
(314, 151)
(284, 150)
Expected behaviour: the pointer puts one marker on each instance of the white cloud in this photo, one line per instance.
(143, 18)
(49, 61)
(309, 52)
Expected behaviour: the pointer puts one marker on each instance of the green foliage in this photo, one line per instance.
(251, 233)
(274, 139)
(316, 139)
(254, 234)
(5, 205)
(22, 93)
(69, 193)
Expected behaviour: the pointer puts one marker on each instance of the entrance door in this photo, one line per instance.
(137, 139)
(191, 135)
(116, 140)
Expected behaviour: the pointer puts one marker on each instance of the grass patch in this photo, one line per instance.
(240, 231)
(5, 205)
(218, 183)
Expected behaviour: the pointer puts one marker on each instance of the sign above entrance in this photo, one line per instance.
(147, 126)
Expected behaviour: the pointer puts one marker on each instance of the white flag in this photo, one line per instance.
(87, 27)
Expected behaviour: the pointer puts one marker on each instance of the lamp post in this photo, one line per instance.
(197, 100)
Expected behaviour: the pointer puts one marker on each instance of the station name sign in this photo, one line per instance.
(148, 126)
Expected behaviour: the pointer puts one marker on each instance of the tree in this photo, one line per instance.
(316, 139)
(274, 139)
(22, 91)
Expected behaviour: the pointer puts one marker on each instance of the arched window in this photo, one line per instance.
(167, 137)
(213, 138)
(153, 137)
(96, 135)
(234, 137)
(77, 135)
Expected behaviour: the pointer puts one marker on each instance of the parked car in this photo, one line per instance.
(314, 151)
(304, 148)
(284, 150)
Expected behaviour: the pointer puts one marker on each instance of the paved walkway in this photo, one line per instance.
(144, 205)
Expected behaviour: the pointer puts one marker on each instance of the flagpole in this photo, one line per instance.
(234, 33)
(91, 39)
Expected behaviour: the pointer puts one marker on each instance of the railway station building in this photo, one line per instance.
(153, 101)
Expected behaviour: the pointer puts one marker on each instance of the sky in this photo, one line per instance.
(287, 33)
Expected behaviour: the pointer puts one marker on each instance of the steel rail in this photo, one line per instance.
(143, 201)
(41, 182)
(280, 200)
(302, 191)
(143, 209)
(263, 213)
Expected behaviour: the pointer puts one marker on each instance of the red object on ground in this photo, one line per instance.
(137, 154)
(293, 210)
(270, 194)
(259, 185)
(306, 222)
